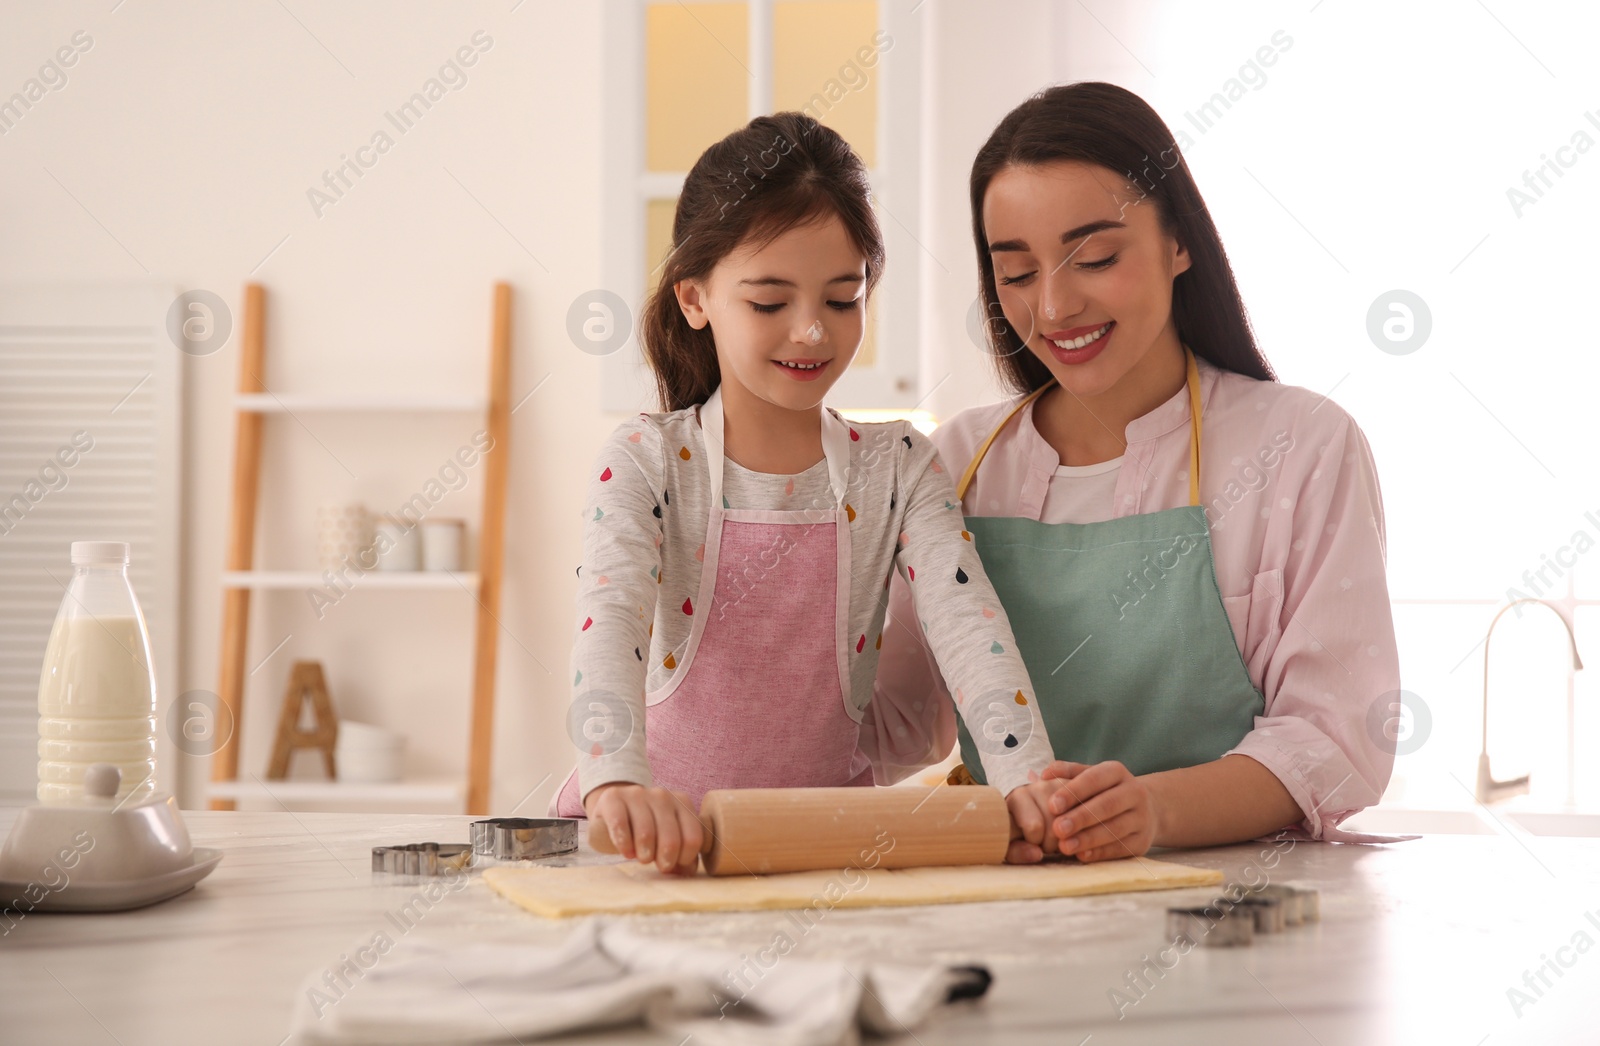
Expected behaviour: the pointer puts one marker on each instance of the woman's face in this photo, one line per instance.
(1083, 270)
(787, 318)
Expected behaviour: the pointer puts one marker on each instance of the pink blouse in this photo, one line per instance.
(1296, 516)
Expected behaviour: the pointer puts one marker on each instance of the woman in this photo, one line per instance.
(1190, 553)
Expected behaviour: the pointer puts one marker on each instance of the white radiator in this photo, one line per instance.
(88, 375)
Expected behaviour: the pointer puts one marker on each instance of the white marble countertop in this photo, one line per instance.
(1420, 942)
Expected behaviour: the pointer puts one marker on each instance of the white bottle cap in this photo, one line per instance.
(99, 553)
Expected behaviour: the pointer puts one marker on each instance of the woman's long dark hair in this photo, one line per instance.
(1111, 127)
(773, 174)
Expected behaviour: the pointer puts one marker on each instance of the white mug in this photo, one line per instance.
(441, 543)
(368, 753)
(403, 548)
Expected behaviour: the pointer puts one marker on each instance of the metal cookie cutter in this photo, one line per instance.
(1269, 913)
(524, 838)
(1225, 921)
(1210, 927)
(422, 858)
(1300, 904)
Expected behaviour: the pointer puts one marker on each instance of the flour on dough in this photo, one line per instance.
(631, 887)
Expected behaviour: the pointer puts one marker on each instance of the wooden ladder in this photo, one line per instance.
(491, 552)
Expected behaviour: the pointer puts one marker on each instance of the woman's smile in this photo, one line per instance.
(1080, 344)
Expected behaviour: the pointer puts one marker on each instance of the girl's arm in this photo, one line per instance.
(616, 604)
(955, 608)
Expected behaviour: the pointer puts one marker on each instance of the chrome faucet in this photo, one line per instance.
(1489, 789)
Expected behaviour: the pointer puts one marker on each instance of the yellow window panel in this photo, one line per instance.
(867, 356)
(658, 216)
(826, 60)
(924, 421)
(697, 79)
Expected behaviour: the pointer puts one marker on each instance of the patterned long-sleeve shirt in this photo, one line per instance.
(644, 547)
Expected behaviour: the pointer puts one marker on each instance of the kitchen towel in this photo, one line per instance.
(606, 975)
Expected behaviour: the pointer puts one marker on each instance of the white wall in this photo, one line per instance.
(189, 134)
(983, 59)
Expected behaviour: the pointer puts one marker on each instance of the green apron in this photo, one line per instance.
(1122, 627)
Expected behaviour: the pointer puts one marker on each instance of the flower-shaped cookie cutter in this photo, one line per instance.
(524, 838)
(422, 859)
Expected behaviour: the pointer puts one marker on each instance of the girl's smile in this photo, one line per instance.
(802, 369)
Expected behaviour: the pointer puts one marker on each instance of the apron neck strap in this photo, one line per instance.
(835, 447)
(977, 459)
(1194, 426)
(1192, 380)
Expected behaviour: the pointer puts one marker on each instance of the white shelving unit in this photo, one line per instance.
(292, 402)
(445, 579)
(239, 579)
(420, 791)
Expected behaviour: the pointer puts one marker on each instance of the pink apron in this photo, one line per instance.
(758, 700)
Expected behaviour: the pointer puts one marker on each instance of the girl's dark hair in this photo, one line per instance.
(777, 172)
(1111, 127)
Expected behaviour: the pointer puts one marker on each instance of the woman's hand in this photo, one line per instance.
(1101, 812)
(650, 825)
(1031, 837)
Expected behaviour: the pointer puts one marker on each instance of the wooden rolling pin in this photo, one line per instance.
(757, 831)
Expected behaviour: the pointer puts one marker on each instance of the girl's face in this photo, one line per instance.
(1083, 270)
(787, 318)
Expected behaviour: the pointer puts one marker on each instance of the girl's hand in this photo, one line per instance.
(650, 825)
(1102, 812)
(1029, 806)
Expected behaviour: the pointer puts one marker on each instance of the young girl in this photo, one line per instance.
(739, 546)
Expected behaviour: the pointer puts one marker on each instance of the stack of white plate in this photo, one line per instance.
(368, 754)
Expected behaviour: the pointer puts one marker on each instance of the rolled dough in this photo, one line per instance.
(631, 887)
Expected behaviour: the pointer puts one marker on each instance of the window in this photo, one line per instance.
(683, 75)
